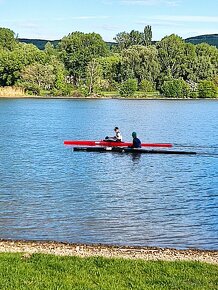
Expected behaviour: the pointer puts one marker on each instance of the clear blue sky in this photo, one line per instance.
(53, 19)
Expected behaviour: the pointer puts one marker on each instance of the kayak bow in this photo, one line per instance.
(113, 144)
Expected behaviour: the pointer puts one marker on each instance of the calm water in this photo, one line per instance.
(48, 192)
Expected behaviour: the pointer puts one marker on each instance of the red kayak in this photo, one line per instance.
(113, 144)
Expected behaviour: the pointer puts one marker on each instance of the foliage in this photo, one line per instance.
(39, 43)
(111, 68)
(54, 272)
(128, 88)
(176, 88)
(171, 54)
(93, 76)
(134, 37)
(7, 39)
(147, 86)
(12, 62)
(140, 62)
(38, 77)
(207, 89)
(84, 63)
(147, 35)
(78, 49)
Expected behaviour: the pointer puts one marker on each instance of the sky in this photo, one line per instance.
(54, 19)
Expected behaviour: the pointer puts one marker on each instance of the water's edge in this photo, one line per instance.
(107, 251)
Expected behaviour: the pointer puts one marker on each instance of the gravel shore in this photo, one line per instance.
(81, 250)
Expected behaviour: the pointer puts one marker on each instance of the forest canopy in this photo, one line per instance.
(82, 64)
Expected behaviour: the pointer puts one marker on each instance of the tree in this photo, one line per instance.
(147, 35)
(93, 75)
(38, 77)
(7, 39)
(140, 62)
(78, 49)
(207, 61)
(207, 89)
(12, 62)
(125, 39)
(136, 38)
(171, 55)
(111, 67)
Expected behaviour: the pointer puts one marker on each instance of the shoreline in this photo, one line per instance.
(107, 98)
(108, 251)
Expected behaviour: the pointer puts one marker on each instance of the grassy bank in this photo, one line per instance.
(38, 271)
(138, 94)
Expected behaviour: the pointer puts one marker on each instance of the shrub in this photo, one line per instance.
(176, 88)
(147, 86)
(207, 89)
(128, 88)
(194, 94)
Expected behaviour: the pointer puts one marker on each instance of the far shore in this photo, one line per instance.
(104, 98)
(108, 251)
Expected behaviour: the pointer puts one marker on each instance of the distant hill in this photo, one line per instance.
(40, 43)
(211, 39)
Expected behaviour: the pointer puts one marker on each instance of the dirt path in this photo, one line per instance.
(145, 253)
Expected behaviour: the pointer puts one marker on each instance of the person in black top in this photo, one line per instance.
(136, 143)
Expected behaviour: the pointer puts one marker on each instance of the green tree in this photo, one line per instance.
(207, 62)
(147, 35)
(207, 89)
(123, 40)
(140, 62)
(78, 49)
(171, 55)
(38, 77)
(136, 38)
(12, 62)
(7, 39)
(111, 67)
(93, 76)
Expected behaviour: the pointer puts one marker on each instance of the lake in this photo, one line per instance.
(49, 192)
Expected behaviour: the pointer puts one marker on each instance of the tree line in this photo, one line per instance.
(82, 64)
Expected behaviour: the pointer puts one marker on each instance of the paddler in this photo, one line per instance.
(136, 143)
(116, 138)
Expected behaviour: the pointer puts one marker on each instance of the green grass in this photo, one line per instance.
(138, 94)
(55, 272)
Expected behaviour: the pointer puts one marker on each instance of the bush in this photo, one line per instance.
(207, 89)
(128, 88)
(176, 88)
(31, 89)
(194, 94)
(147, 86)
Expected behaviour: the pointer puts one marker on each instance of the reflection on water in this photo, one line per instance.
(49, 192)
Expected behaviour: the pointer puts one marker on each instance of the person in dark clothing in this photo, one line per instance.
(136, 143)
